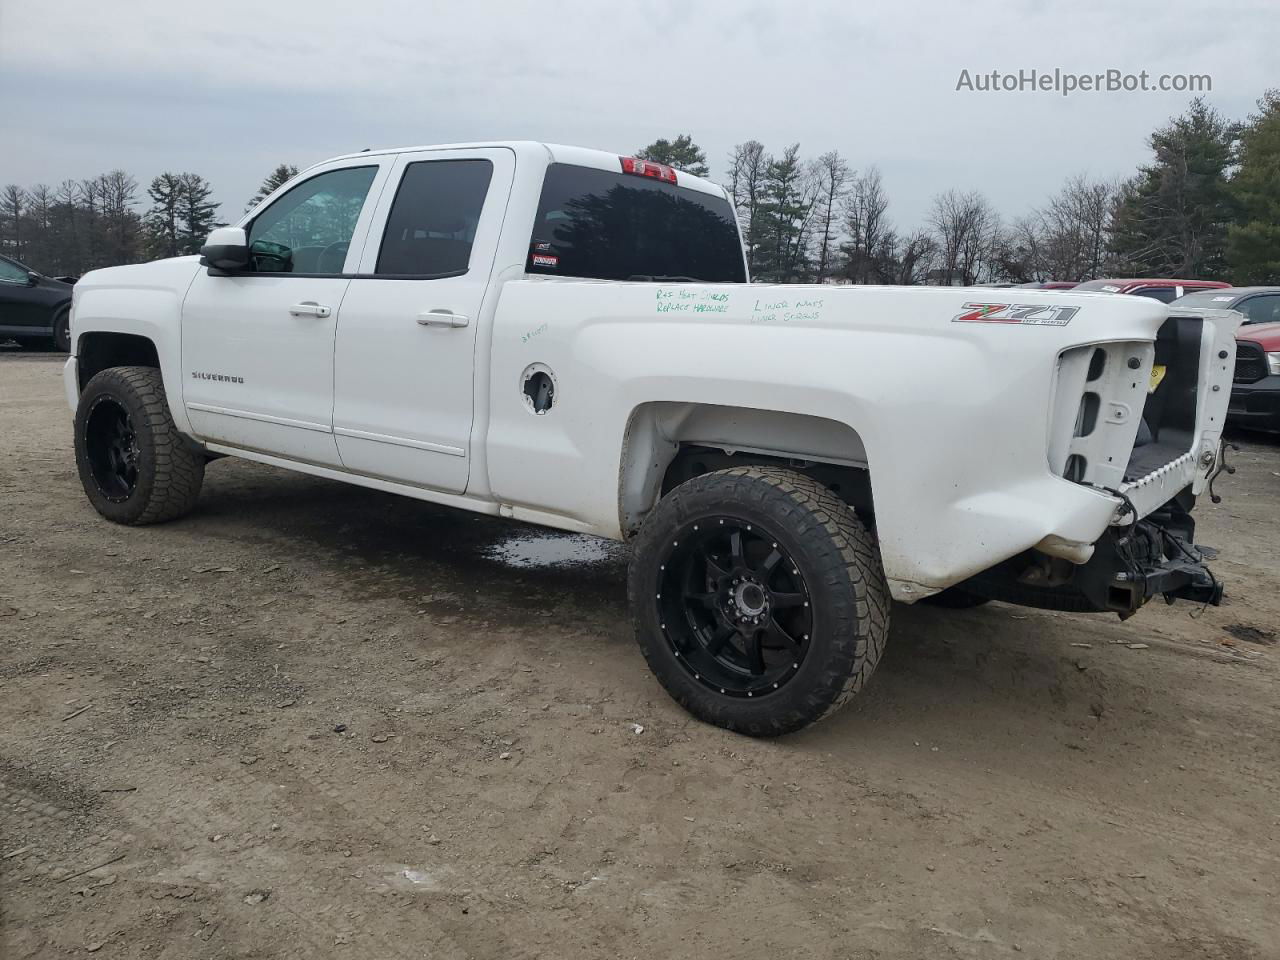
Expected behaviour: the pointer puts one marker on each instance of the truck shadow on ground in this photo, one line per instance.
(995, 660)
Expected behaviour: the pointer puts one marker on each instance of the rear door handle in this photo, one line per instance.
(309, 308)
(442, 318)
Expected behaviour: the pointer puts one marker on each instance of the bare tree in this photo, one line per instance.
(748, 168)
(916, 255)
(966, 230)
(867, 225)
(1076, 224)
(832, 175)
(119, 192)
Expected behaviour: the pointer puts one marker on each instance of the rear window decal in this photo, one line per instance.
(545, 260)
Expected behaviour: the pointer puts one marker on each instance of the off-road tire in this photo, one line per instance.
(840, 565)
(170, 471)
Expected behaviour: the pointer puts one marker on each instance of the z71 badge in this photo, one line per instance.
(1036, 315)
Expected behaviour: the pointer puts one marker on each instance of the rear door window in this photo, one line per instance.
(615, 226)
(433, 220)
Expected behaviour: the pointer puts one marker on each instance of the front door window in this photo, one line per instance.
(309, 229)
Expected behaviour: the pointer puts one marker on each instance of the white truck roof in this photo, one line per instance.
(552, 152)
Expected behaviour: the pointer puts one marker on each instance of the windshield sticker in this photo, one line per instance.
(1223, 299)
(1031, 314)
(1110, 288)
(546, 260)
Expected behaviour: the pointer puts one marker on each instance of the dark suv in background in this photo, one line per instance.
(35, 310)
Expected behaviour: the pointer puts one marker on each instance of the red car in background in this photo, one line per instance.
(1166, 291)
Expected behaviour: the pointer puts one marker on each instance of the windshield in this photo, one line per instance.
(615, 226)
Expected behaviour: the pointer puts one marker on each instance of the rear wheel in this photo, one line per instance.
(759, 599)
(134, 465)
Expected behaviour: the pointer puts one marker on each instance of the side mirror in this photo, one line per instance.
(33, 278)
(226, 249)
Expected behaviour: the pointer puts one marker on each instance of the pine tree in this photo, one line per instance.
(13, 206)
(785, 216)
(275, 179)
(681, 153)
(162, 219)
(1172, 218)
(197, 214)
(1253, 241)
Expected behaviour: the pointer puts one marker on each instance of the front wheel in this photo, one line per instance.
(62, 331)
(759, 600)
(134, 465)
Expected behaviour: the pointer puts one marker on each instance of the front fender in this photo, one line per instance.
(143, 300)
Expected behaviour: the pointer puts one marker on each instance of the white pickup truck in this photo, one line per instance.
(568, 337)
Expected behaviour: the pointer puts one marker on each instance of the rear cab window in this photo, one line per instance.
(601, 225)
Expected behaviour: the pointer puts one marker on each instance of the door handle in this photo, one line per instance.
(442, 318)
(309, 308)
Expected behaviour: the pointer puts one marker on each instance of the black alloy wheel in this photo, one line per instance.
(734, 607)
(111, 443)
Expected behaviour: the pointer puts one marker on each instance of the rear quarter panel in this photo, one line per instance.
(953, 415)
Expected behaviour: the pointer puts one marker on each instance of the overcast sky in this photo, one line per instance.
(230, 88)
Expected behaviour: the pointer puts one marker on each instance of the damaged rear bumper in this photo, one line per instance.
(1138, 564)
(1130, 565)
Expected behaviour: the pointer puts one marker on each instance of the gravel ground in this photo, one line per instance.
(312, 720)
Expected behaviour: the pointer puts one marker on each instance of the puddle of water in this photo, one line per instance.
(555, 550)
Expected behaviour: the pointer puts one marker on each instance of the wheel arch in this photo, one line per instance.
(97, 350)
(667, 442)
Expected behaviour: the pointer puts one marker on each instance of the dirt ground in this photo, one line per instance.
(315, 721)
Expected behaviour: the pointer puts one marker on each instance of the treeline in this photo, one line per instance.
(81, 225)
(104, 221)
(1206, 205)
